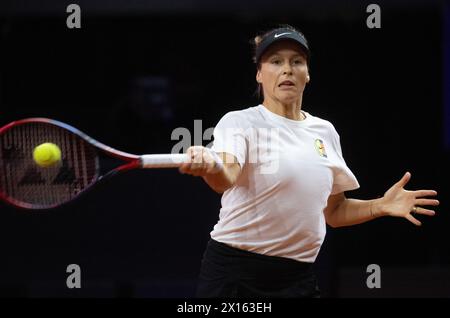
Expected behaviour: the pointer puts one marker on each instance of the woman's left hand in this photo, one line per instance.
(403, 203)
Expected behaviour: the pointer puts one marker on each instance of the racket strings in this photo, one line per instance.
(27, 184)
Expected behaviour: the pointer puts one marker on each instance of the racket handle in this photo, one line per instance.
(163, 161)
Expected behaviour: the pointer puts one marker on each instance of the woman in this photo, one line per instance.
(282, 176)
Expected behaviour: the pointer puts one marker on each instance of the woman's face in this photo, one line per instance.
(283, 72)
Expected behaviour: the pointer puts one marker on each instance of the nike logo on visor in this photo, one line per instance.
(278, 35)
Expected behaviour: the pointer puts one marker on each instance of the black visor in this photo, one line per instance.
(278, 35)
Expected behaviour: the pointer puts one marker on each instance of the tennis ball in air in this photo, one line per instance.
(46, 154)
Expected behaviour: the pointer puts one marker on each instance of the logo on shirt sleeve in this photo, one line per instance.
(320, 147)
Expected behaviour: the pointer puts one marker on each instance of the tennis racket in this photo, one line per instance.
(83, 162)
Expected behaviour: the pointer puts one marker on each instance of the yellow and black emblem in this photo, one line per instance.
(320, 147)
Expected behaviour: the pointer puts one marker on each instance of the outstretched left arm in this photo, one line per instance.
(397, 202)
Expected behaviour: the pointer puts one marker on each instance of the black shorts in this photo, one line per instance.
(230, 272)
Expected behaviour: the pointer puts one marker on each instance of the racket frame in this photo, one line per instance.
(132, 161)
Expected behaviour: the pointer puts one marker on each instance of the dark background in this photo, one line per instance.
(137, 70)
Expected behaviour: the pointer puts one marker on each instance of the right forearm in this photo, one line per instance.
(222, 180)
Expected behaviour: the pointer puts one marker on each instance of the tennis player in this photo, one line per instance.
(283, 177)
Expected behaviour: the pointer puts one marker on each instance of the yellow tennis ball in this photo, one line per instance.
(46, 154)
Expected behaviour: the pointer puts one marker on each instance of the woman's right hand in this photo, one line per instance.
(202, 161)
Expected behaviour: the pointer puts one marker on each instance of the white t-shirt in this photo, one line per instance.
(289, 169)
